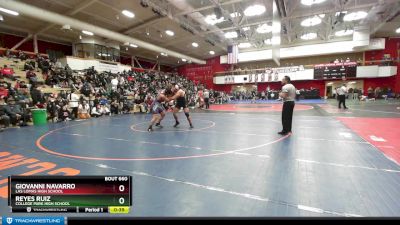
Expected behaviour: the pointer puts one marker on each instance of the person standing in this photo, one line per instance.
(288, 96)
(74, 103)
(206, 96)
(342, 91)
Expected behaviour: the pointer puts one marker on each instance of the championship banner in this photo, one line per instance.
(335, 70)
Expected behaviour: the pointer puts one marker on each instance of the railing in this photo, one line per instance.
(384, 62)
(26, 52)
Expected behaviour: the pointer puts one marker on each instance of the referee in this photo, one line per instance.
(288, 95)
(342, 91)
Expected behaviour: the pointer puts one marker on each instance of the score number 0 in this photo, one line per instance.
(121, 200)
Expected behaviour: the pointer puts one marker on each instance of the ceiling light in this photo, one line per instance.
(11, 12)
(128, 13)
(184, 60)
(212, 19)
(265, 28)
(244, 45)
(212, 53)
(169, 32)
(133, 45)
(343, 33)
(232, 34)
(235, 14)
(311, 2)
(254, 10)
(309, 36)
(355, 16)
(194, 44)
(87, 32)
(309, 22)
(1, 18)
(246, 28)
(398, 30)
(163, 54)
(80, 37)
(268, 41)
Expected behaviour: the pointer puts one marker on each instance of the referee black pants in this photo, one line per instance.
(287, 115)
(207, 102)
(342, 100)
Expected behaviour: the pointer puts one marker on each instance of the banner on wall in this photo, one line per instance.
(107, 66)
(267, 75)
(335, 70)
(229, 79)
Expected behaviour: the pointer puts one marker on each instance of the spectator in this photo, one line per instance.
(96, 111)
(83, 110)
(114, 83)
(21, 55)
(4, 118)
(52, 108)
(3, 91)
(8, 72)
(105, 110)
(17, 115)
(370, 92)
(36, 95)
(31, 76)
(206, 96)
(74, 104)
(65, 113)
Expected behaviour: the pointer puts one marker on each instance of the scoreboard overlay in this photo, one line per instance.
(74, 194)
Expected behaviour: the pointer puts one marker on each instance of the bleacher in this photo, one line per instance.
(20, 75)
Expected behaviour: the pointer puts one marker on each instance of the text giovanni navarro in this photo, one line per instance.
(45, 186)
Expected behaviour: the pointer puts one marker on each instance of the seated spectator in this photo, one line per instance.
(86, 89)
(21, 55)
(148, 103)
(29, 65)
(64, 113)
(105, 110)
(114, 106)
(40, 105)
(4, 118)
(8, 72)
(3, 91)
(21, 87)
(96, 111)
(83, 110)
(31, 76)
(17, 115)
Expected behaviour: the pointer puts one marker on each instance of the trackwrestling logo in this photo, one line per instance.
(33, 220)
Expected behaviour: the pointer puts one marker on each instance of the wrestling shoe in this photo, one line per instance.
(176, 124)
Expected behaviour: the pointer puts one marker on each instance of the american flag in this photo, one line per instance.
(233, 52)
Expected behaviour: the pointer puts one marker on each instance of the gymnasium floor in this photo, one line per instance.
(233, 163)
